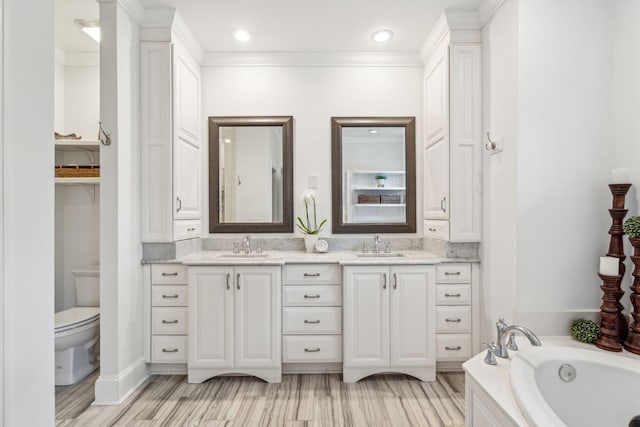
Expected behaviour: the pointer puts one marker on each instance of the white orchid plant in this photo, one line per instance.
(307, 226)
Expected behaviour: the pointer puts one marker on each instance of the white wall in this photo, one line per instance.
(626, 107)
(564, 152)
(500, 117)
(121, 314)
(81, 100)
(566, 100)
(27, 203)
(312, 95)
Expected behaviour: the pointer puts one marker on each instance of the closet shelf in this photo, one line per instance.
(76, 181)
(77, 145)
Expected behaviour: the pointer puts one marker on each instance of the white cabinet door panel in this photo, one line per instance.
(257, 317)
(366, 321)
(412, 319)
(436, 183)
(210, 317)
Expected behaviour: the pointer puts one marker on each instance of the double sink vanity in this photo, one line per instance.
(264, 314)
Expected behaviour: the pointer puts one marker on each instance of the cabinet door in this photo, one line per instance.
(436, 182)
(210, 322)
(412, 316)
(258, 329)
(186, 135)
(436, 156)
(366, 316)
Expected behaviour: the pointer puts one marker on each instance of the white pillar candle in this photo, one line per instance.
(620, 176)
(609, 266)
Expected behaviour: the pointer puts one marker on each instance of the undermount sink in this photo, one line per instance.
(380, 255)
(243, 255)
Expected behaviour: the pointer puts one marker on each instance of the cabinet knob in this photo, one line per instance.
(312, 350)
(312, 321)
(448, 295)
(170, 296)
(311, 274)
(451, 273)
(384, 286)
(453, 320)
(312, 296)
(453, 348)
(178, 204)
(169, 321)
(238, 281)
(170, 274)
(169, 350)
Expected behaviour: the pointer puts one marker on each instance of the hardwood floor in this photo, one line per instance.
(300, 400)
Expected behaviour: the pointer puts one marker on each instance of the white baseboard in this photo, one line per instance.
(114, 389)
(552, 323)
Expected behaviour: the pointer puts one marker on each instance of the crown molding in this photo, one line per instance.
(165, 25)
(487, 9)
(133, 8)
(311, 59)
(461, 26)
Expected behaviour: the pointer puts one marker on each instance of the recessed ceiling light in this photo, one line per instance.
(373, 131)
(382, 36)
(91, 27)
(241, 35)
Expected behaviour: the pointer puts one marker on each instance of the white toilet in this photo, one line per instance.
(78, 329)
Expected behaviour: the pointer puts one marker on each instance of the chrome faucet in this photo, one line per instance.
(376, 242)
(247, 245)
(503, 329)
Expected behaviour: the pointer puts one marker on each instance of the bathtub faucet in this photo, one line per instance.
(503, 329)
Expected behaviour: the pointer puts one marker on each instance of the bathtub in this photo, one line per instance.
(599, 388)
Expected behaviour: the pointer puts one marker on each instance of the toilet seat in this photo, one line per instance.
(76, 317)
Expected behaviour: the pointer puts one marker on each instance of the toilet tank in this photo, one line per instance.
(87, 280)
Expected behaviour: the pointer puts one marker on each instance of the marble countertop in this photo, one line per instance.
(299, 257)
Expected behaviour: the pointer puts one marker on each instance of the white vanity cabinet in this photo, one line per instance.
(171, 142)
(312, 318)
(234, 322)
(453, 141)
(389, 321)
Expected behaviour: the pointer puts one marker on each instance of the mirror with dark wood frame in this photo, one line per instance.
(251, 174)
(373, 171)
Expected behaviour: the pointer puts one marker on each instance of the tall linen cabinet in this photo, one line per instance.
(171, 141)
(453, 137)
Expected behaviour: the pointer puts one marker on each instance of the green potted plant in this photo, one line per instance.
(632, 227)
(380, 178)
(309, 226)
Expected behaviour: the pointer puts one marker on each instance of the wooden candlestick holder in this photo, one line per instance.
(616, 247)
(609, 324)
(632, 343)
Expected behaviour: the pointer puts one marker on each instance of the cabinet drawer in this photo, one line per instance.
(312, 295)
(453, 273)
(453, 319)
(168, 274)
(316, 348)
(169, 349)
(453, 294)
(453, 346)
(312, 320)
(438, 229)
(302, 274)
(169, 320)
(185, 229)
(169, 296)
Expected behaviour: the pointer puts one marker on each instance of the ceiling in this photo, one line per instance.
(282, 25)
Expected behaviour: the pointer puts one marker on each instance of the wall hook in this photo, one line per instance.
(107, 137)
